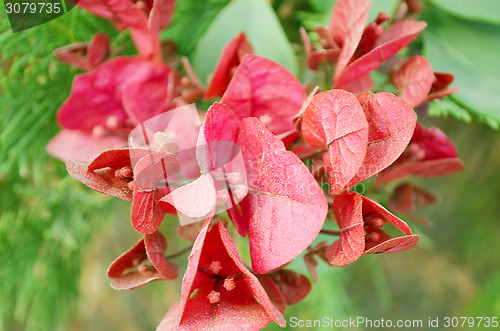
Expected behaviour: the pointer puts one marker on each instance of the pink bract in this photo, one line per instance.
(360, 220)
(335, 120)
(151, 247)
(264, 89)
(228, 295)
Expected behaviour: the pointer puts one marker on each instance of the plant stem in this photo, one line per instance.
(331, 232)
(182, 251)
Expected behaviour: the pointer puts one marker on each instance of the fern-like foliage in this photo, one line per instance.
(46, 218)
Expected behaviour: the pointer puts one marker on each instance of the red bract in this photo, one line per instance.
(414, 80)
(293, 286)
(108, 102)
(395, 38)
(151, 247)
(113, 173)
(145, 20)
(390, 127)
(429, 154)
(335, 120)
(264, 89)
(86, 56)
(223, 176)
(360, 220)
(283, 200)
(147, 214)
(228, 296)
(229, 60)
(406, 196)
(346, 26)
(440, 84)
(98, 96)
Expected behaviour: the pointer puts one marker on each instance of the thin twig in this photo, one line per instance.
(331, 232)
(179, 253)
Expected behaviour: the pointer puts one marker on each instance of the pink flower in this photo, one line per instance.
(429, 154)
(152, 248)
(145, 19)
(132, 175)
(226, 295)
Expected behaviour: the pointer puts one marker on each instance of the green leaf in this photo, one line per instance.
(190, 21)
(257, 19)
(466, 49)
(445, 107)
(484, 10)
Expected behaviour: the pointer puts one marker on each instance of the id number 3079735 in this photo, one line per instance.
(32, 7)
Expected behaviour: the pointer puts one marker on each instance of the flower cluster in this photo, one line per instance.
(275, 160)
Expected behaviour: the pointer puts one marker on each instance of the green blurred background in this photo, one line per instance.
(57, 238)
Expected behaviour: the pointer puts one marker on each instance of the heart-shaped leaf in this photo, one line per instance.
(284, 200)
(335, 119)
(347, 208)
(390, 127)
(414, 80)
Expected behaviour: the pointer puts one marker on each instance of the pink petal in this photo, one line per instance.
(293, 286)
(273, 292)
(76, 145)
(347, 25)
(245, 306)
(217, 147)
(196, 199)
(371, 207)
(123, 13)
(73, 54)
(403, 199)
(414, 80)
(98, 50)
(152, 247)
(430, 168)
(434, 142)
(147, 214)
(390, 127)
(346, 16)
(134, 280)
(395, 38)
(229, 60)
(100, 174)
(147, 96)
(128, 260)
(360, 85)
(336, 119)
(161, 14)
(394, 245)
(106, 86)
(264, 89)
(155, 246)
(285, 208)
(347, 208)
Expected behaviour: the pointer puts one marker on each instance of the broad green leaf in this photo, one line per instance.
(468, 50)
(190, 21)
(484, 10)
(257, 19)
